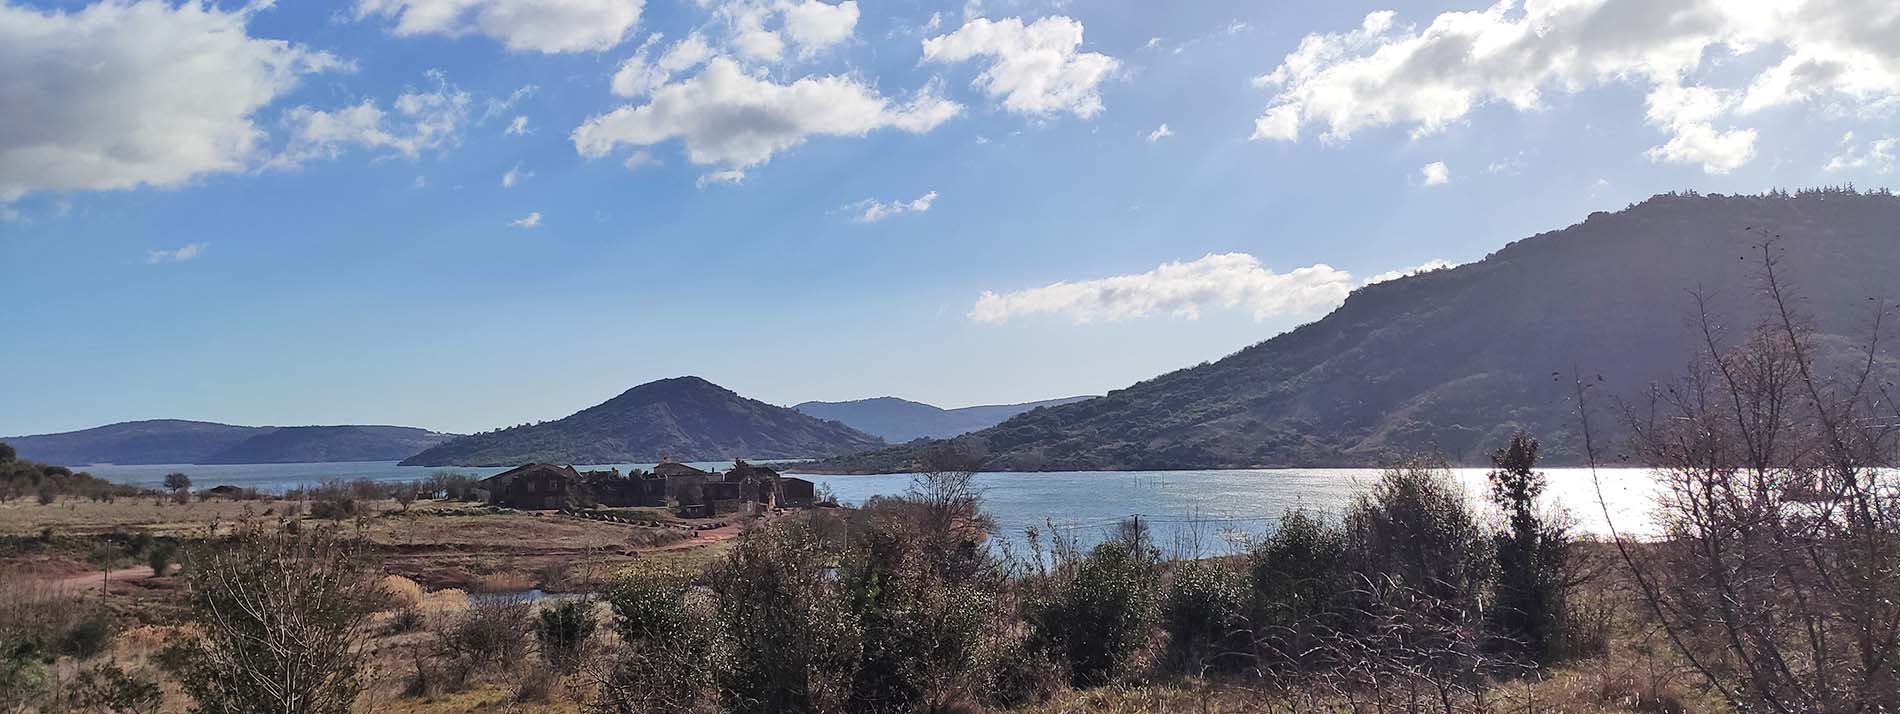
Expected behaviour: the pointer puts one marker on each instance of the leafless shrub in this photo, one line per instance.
(1778, 578)
(279, 620)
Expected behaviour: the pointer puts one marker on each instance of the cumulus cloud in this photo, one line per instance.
(1233, 281)
(531, 220)
(1160, 133)
(727, 117)
(517, 127)
(119, 95)
(521, 25)
(872, 210)
(814, 26)
(1843, 52)
(1426, 267)
(1878, 156)
(180, 255)
(760, 30)
(514, 176)
(1434, 174)
(418, 121)
(1037, 69)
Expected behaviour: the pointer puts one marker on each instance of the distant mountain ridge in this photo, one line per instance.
(684, 419)
(178, 441)
(1454, 361)
(900, 420)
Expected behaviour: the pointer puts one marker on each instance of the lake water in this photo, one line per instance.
(1211, 508)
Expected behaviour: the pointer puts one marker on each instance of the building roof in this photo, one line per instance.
(504, 477)
(672, 468)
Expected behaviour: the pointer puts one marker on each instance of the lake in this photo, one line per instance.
(1211, 508)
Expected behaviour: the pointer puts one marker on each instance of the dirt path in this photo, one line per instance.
(91, 580)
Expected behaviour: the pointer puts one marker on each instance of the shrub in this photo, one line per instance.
(1300, 583)
(1101, 610)
(667, 633)
(1421, 564)
(924, 615)
(1533, 555)
(794, 641)
(107, 689)
(160, 558)
(278, 623)
(1415, 527)
(491, 635)
(87, 637)
(1205, 618)
(563, 631)
(333, 501)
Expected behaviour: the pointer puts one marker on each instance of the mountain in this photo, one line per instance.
(317, 444)
(684, 418)
(173, 441)
(1454, 360)
(155, 441)
(900, 420)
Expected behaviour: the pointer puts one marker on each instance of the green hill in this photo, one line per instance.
(685, 419)
(900, 420)
(1455, 360)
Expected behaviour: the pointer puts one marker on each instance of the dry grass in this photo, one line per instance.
(154, 515)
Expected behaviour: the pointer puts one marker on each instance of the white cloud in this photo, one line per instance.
(120, 95)
(1223, 281)
(1160, 133)
(498, 106)
(521, 25)
(815, 26)
(531, 220)
(514, 176)
(726, 116)
(637, 76)
(1426, 267)
(1879, 156)
(1434, 174)
(639, 159)
(1036, 68)
(182, 254)
(725, 176)
(1844, 52)
(417, 121)
(421, 182)
(872, 210)
(760, 30)
(1152, 43)
(518, 127)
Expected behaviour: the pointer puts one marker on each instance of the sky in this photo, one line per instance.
(467, 214)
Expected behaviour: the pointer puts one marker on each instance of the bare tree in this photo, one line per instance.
(1777, 576)
(279, 620)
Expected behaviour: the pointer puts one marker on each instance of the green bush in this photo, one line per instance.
(1205, 617)
(925, 618)
(1533, 556)
(794, 640)
(88, 637)
(1415, 528)
(668, 636)
(563, 631)
(1300, 587)
(1101, 611)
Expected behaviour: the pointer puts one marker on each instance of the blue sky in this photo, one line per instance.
(463, 214)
